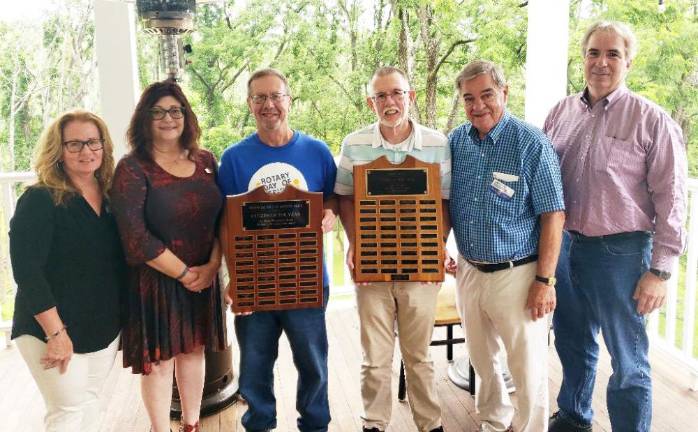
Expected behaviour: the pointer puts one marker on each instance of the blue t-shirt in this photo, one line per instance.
(500, 185)
(303, 162)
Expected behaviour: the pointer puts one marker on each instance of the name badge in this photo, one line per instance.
(501, 189)
(505, 177)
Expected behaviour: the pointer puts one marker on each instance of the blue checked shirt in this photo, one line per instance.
(491, 225)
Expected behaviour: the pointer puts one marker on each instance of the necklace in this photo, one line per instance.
(165, 156)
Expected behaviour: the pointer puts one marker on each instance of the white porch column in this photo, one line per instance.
(117, 66)
(546, 57)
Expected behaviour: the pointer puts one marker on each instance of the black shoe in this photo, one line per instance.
(373, 429)
(560, 423)
(438, 429)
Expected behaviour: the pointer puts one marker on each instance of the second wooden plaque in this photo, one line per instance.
(398, 222)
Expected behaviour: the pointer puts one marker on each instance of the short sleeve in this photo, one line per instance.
(344, 183)
(545, 179)
(330, 170)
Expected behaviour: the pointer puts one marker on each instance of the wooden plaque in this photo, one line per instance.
(398, 222)
(273, 249)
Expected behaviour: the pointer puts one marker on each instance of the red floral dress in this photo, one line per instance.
(156, 210)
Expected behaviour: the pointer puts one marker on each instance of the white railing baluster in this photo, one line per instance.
(671, 305)
(689, 305)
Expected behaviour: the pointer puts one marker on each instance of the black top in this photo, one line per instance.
(66, 256)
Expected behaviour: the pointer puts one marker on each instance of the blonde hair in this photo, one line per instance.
(48, 162)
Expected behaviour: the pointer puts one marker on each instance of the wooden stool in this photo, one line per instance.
(446, 316)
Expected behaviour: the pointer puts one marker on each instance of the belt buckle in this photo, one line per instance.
(511, 264)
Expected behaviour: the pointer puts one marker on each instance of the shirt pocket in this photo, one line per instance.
(619, 157)
(501, 208)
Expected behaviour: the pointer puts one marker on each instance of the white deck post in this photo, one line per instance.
(546, 57)
(117, 66)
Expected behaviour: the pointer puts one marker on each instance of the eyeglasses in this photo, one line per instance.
(261, 99)
(397, 95)
(75, 146)
(174, 112)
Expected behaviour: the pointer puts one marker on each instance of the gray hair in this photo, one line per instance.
(261, 73)
(383, 71)
(619, 28)
(481, 67)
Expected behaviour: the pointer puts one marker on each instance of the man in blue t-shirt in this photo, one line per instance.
(276, 156)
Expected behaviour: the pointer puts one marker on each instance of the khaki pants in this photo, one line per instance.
(73, 399)
(492, 306)
(413, 306)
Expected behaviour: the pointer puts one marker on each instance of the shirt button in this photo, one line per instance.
(475, 199)
(479, 177)
(471, 221)
(471, 245)
(482, 154)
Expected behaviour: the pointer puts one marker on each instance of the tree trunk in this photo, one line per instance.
(406, 53)
(452, 114)
(432, 45)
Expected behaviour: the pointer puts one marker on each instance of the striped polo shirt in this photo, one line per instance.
(367, 145)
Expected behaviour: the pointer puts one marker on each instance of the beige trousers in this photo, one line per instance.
(73, 399)
(492, 306)
(412, 306)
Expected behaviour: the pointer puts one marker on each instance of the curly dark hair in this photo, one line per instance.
(139, 134)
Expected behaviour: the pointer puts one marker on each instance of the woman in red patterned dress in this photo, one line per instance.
(167, 206)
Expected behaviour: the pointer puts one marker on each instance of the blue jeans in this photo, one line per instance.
(258, 338)
(596, 281)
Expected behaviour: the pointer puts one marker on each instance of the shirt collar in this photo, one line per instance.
(608, 101)
(414, 141)
(494, 133)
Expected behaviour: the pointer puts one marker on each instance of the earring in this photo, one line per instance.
(59, 165)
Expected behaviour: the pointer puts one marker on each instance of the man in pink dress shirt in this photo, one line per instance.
(623, 166)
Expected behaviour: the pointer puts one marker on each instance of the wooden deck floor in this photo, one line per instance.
(21, 407)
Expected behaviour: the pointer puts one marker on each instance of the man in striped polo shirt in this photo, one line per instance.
(507, 212)
(380, 305)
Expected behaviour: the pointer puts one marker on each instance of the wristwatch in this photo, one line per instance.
(663, 275)
(549, 281)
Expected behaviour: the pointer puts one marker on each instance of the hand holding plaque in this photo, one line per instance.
(398, 222)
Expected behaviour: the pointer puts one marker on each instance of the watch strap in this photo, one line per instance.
(546, 280)
(663, 275)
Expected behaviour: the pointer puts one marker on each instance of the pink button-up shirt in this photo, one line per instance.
(624, 169)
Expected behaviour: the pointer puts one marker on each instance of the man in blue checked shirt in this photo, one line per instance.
(507, 213)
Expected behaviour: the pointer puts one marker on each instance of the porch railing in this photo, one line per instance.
(672, 328)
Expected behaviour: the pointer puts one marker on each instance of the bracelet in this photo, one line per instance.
(184, 272)
(53, 335)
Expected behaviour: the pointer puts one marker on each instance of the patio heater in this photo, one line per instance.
(169, 20)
